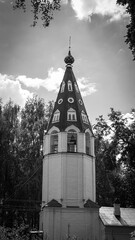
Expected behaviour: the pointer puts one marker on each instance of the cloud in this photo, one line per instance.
(10, 88)
(64, 1)
(51, 83)
(86, 8)
(86, 87)
(13, 86)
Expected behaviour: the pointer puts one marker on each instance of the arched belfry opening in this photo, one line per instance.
(54, 142)
(87, 143)
(68, 186)
(72, 141)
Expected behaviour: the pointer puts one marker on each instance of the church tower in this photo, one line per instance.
(68, 187)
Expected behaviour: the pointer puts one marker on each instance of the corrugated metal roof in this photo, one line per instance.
(127, 217)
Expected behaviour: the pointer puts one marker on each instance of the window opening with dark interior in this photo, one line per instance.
(72, 141)
(54, 142)
(69, 117)
(70, 86)
(73, 116)
(63, 87)
(87, 141)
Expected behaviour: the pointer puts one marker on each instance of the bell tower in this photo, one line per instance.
(68, 187)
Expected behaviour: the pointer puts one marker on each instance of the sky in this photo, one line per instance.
(32, 58)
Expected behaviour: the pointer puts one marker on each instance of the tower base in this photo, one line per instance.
(60, 223)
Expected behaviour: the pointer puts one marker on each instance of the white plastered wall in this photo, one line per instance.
(46, 144)
(83, 223)
(62, 142)
(81, 142)
(69, 178)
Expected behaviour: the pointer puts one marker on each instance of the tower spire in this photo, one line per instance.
(69, 102)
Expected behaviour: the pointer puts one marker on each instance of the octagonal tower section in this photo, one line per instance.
(69, 159)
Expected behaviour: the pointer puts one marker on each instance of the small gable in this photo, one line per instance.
(54, 203)
(90, 204)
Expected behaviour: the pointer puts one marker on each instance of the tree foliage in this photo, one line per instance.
(115, 158)
(130, 36)
(40, 8)
(21, 140)
(15, 233)
(9, 124)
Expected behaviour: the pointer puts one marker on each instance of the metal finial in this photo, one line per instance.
(69, 43)
(69, 59)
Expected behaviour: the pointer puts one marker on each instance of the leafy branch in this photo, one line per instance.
(42, 9)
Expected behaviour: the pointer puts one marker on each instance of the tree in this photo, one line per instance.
(130, 36)
(42, 8)
(115, 158)
(21, 140)
(32, 125)
(8, 134)
(9, 170)
(15, 233)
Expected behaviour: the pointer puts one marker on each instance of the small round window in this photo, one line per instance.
(60, 101)
(80, 101)
(70, 100)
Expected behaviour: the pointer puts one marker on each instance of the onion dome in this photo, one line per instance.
(69, 59)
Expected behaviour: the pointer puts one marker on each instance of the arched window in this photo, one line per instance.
(76, 87)
(71, 115)
(56, 116)
(84, 117)
(70, 86)
(87, 142)
(63, 87)
(72, 141)
(54, 142)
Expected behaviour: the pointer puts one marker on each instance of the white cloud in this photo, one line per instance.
(51, 83)
(86, 87)
(10, 88)
(29, 82)
(85, 8)
(64, 1)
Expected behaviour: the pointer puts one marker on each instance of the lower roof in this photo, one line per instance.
(127, 217)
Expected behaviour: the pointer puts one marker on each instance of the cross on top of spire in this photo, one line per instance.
(69, 43)
(69, 59)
